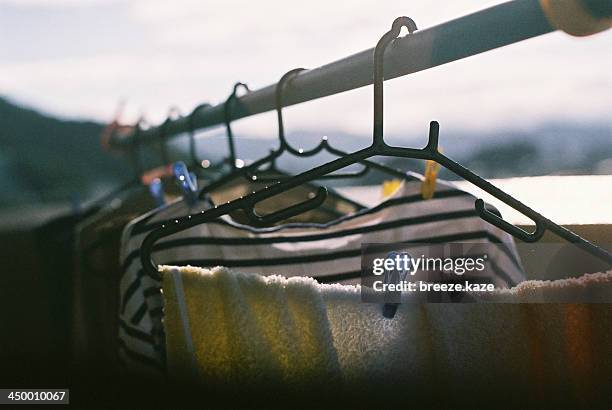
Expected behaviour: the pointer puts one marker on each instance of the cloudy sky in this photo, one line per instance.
(78, 58)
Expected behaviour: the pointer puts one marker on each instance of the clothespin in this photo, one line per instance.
(160, 172)
(157, 191)
(395, 276)
(389, 187)
(114, 127)
(187, 181)
(428, 186)
(153, 179)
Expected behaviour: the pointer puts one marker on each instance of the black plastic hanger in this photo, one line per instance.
(324, 145)
(196, 165)
(136, 147)
(173, 111)
(378, 147)
(284, 145)
(235, 172)
(137, 166)
(227, 107)
(250, 171)
(231, 159)
(276, 174)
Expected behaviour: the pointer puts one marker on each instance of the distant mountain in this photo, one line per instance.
(553, 148)
(45, 159)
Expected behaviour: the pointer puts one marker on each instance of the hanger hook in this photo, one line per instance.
(137, 145)
(135, 151)
(174, 110)
(228, 119)
(191, 130)
(379, 54)
(432, 142)
(283, 143)
(280, 89)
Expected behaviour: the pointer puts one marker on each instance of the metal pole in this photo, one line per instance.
(484, 30)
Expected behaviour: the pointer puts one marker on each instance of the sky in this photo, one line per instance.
(79, 58)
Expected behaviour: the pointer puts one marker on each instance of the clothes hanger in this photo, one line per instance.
(155, 188)
(248, 171)
(379, 147)
(235, 171)
(231, 160)
(324, 145)
(196, 165)
(187, 187)
(173, 111)
(244, 172)
(228, 115)
(284, 145)
(187, 181)
(137, 166)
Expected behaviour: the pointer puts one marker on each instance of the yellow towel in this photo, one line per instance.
(248, 327)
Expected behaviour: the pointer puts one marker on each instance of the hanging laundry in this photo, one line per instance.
(96, 277)
(331, 253)
(242, 328)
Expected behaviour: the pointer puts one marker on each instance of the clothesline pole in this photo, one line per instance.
(484, 30)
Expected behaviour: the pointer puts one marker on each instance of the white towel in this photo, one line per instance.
(246, 327)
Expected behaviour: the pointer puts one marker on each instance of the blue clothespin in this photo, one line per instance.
(187, 181)
(157, 192)
(395, 277)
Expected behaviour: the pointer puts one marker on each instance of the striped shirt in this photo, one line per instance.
(330, 253)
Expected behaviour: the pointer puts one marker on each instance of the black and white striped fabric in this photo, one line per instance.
(330, 253)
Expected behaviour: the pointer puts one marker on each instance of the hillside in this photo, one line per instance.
(45, 159)
(555, 148)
